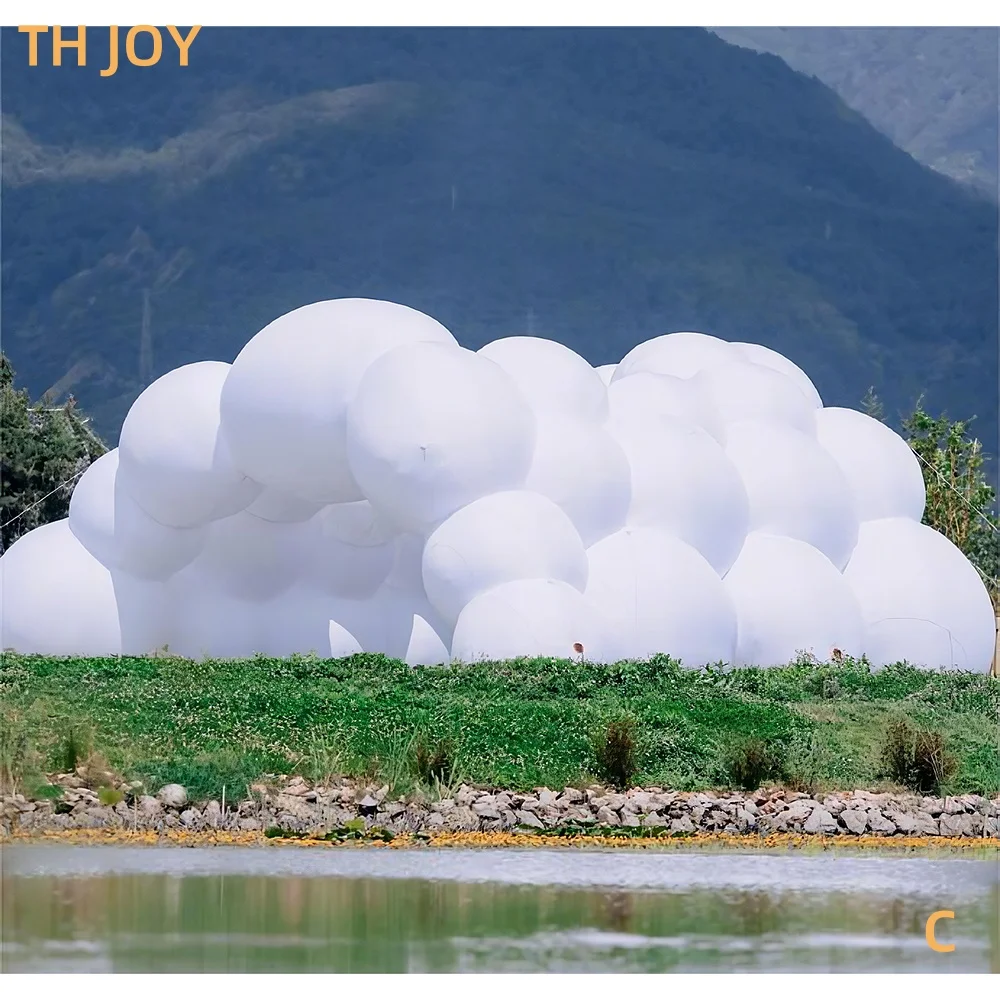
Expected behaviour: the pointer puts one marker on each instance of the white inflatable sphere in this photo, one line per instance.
(760, 355)
(250, 559)
(285, 402)
(56, 599)
(146, 614)
(176, 464)
(425, 645)
(357, 523)
(433, 428)
(795, 487)
(657, 594)
(680, 354)
(340, 568)
(119, 533)
(278, 506)
(790, 599)
(883, 472)
(210, 624)
(582, 468)
(606, 372)
(384, 623)
(922, 601)
(303, 620)
(746, 391)
(551, 376)
(515, 535)
(644, 395)
(683, 482)
(528, 618)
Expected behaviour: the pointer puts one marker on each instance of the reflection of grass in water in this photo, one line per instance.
(386, 925)
(515, 724)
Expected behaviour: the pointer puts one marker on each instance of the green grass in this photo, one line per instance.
(515, 724)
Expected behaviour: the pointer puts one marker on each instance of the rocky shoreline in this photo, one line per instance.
(294, 807)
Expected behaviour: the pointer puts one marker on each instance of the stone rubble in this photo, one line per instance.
(293, 805)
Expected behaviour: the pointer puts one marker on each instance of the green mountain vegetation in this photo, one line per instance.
(594, 186)
(933, 91)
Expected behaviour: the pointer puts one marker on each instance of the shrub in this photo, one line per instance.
(108, 796)
(751, 762)
(615, 753)
(917, 758)
(75, 748)
(434, 762)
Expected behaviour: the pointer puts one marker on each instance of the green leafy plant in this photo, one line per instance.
(916, 758)
(108, 796)
(434, 762)
(616, 753)
(750, 762)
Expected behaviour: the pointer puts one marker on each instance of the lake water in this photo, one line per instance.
(295, 909)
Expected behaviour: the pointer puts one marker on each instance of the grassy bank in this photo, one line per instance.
(514, 725)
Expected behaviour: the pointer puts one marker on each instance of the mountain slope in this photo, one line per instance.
(933, 91)
(597, 187)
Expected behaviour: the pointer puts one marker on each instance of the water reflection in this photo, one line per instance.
(297, 923)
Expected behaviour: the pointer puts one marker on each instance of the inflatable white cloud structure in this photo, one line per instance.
(358, 481)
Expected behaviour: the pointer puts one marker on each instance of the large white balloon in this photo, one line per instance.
(303, 620)
(146, 614)
(882, 471)
(210, 624)
(745, 391)
(645, 395)
(921, 599)
(174, 460)
(551, 376)
(119, 533)
(515, 535)
(56, 599)
(343, 568)
(795, 487)
(790, 599)
(276, 505)
(425, 645)
(433, 428)
(760, 355)
(657, 594)
(683, 482)
(525, 618)
(284, 405)
(581, 467)
(605, 372)
(250, 559)
(680, 354)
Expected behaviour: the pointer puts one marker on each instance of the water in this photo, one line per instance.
(294, 909)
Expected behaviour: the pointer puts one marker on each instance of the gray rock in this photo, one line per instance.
(173, 796)
(368, 806)
(682, 824)
(212, 814)
(629, 818)
(462, 818)
(746, 819)
(820, 821)
(606, 816)
(639, 801)
(878, 823)
(148, 806)
(855, 820)
(435, 819)
(190, 817)
(572, 795)
(954, 806)
(248, 824)
(800, 810)
(750, 806)
(653, 820)
(525, 817)
(546, 797)
(956, 825)
(905, 822)
(486, 808)
(579, 814)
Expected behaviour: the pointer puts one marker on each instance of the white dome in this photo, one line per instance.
(528, 618)
(657, 594)
(605, 372)
(551, 376)
(760, 355)
(881, 469)
(120, 534)
(794, 486)
(790, 599)
(921, 599)
(342, 568)
(284, 405)
(679, 354)
(683, 482)
(745, 391)
(645, 395)
(56, 599)
(433, 428)
(515, 535)
(175, 462)
(582, 468)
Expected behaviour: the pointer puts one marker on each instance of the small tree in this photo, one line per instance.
(961, 502)
(43, 451)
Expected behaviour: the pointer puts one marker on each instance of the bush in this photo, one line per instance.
(917, 758)
(751, 762)
(434, 763)
(615, 753)
(109, 796)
